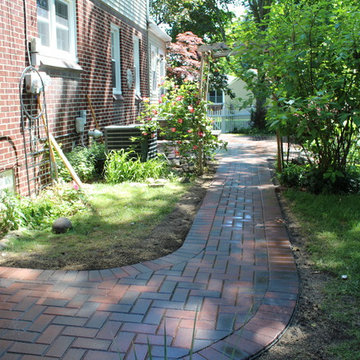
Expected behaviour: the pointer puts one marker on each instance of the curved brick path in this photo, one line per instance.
(236, 268)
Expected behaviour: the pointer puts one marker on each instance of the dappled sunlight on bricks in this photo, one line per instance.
(235, 274)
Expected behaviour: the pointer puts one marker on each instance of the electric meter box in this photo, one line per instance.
(33, 83)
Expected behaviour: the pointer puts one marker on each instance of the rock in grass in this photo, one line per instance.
(61, 225)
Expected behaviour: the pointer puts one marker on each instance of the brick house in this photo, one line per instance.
(96, 49)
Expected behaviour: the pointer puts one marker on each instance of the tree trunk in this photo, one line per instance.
(258, 116)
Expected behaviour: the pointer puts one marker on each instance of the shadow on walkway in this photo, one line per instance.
(235, 274)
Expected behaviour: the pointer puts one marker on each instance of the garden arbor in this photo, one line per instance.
(207, 51)
(183, 105)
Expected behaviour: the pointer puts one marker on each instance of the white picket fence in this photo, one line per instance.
(229, 121)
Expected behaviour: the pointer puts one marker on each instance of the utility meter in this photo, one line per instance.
(33, 83)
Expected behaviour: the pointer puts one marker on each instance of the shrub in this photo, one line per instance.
(52, 203)
(188, 129)
(87, 162)
(292, 175)
(39, 213)
(98, 153)
(11, 216)
(317, 181)
(121, 166)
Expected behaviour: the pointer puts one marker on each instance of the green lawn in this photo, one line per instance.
(111, 232)
(331, 224)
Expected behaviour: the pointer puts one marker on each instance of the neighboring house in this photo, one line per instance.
(228, 113)
(238, 87)
(217, 100)
(222, 102)
(96, 49)
(157, 60)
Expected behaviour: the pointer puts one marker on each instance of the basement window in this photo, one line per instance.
(57, 28)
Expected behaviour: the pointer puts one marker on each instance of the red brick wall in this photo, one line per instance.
(12, 62)
(66, 95)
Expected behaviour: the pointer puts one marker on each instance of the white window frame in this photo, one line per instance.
(52, 50)
(115, 56)
(217, 95)
(162, 66)
(154, 69)
(162, 71)
(137, 62)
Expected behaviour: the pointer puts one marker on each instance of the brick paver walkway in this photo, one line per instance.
(235, 273)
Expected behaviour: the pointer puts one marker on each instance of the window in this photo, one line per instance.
(136, 47)
(62, 25)
(162, 67)
(56, 27)
(162, 71)
(216, 96)
(43, 21)
(158, 70)
(154, 74)
(115, 60)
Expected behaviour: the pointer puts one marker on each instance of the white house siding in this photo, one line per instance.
(238, 87)
(134, 10)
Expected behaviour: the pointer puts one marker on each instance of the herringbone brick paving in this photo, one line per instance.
(235, 276)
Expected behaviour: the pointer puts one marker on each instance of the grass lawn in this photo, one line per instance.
(111, 232)
(331, 224)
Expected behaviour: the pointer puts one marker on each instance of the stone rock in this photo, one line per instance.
(61, 225)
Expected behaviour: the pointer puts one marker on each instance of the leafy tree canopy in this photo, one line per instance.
(258, 10)
(184, 62)
(310, 60)
(251, 68)
(183, 57)
(207, 19)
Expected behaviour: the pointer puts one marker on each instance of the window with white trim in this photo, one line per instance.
(162, 65)
(56, 28)
(136, 47)
(216, 96)
(154, 74)
(115, 60)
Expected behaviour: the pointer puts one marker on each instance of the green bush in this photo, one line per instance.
(98, 154)
(254, 131)
(316, 181)
(11, 216)
(292, 175)
(87, 162)
(39, 213)
(52, 203)
(121, 166)
(188, 129)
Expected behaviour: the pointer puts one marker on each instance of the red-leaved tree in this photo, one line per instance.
(184, 59)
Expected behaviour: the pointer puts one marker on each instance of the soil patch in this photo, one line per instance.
(310, 332)
(170, 234)
(164, 239)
